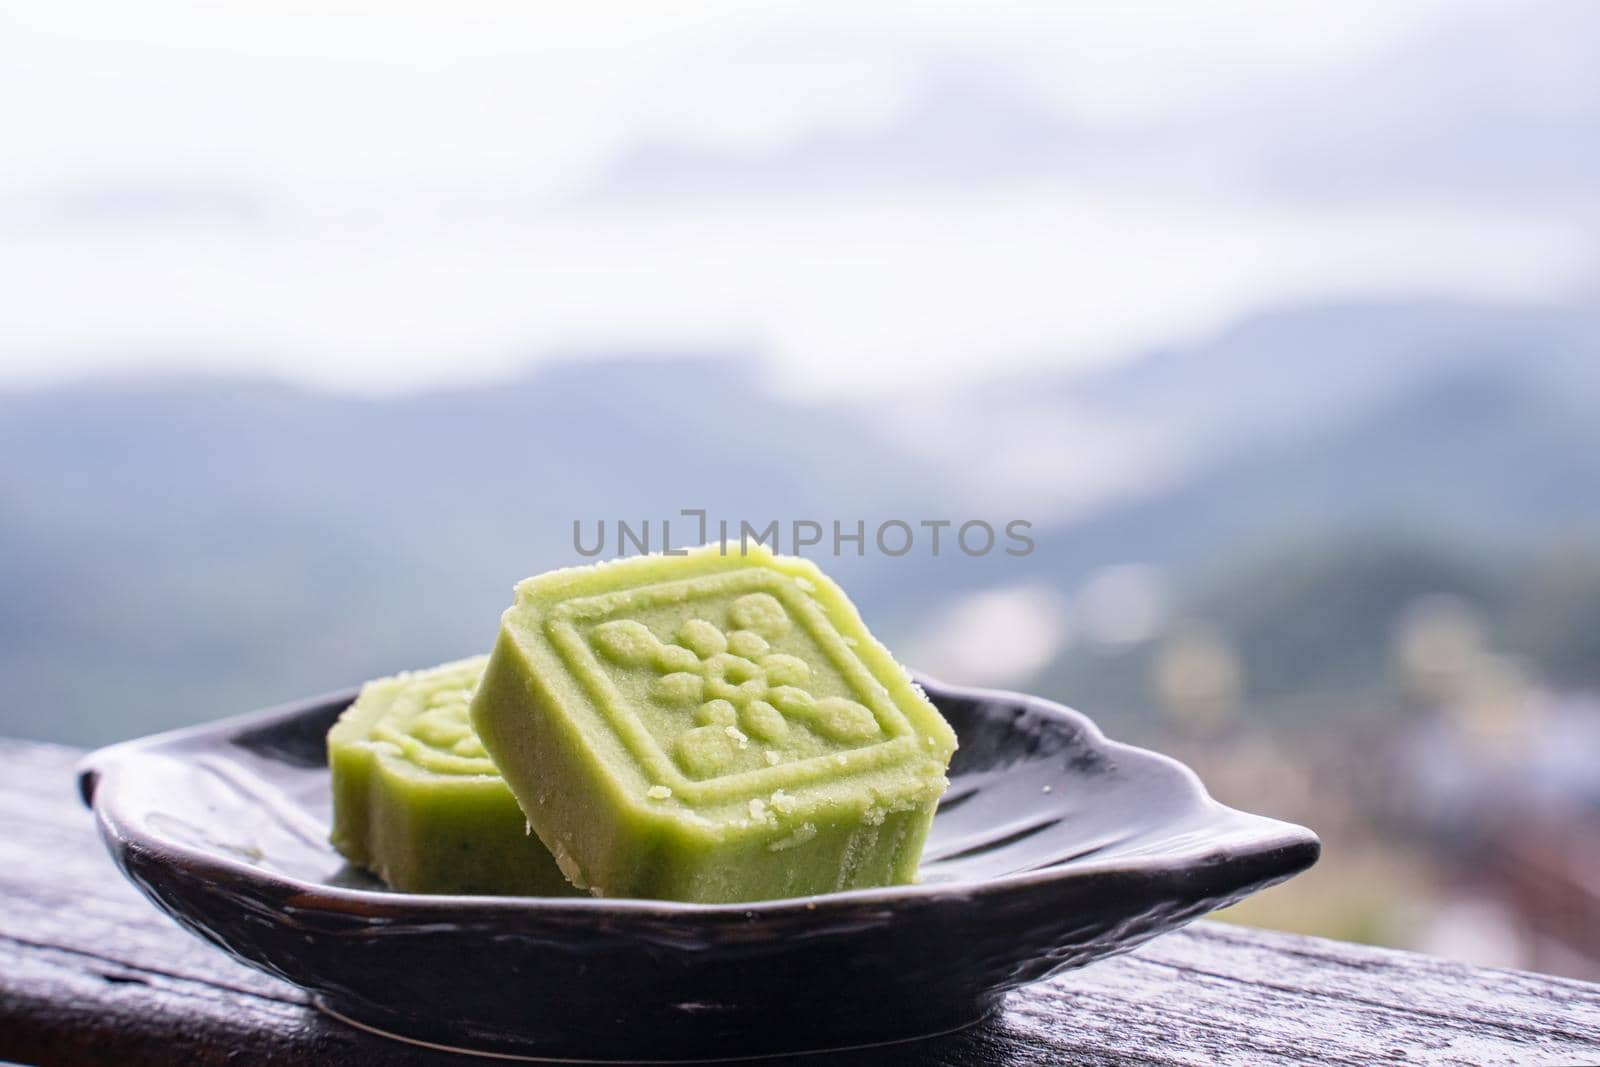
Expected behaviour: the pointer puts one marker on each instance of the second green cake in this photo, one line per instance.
(416, 799)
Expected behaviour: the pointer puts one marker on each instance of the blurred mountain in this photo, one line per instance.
(1480, 455)
(1293, 368)
(1479, 422)
(178, 548)
(1437, 460)
(1311, 632)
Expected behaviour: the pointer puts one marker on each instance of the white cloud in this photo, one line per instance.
(377, 197)
(892, 294)
(999, 636)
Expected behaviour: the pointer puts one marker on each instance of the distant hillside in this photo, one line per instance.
(172, 549)
(1304, 554)
(1312, 624)
(1302, 365)
(178, 548)
(1478, 458)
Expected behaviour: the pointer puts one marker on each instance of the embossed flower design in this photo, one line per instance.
(738, 686)
(444, 725)
(428, 726)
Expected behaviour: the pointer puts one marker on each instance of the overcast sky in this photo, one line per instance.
(387, 196)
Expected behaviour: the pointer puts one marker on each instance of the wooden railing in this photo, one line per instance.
(90, 973)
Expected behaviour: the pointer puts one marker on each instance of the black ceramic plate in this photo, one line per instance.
(1052, 848)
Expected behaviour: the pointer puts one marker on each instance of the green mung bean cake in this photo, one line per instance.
(418, 802)
(713, 726)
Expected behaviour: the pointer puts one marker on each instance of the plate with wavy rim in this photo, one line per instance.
(1053, 847)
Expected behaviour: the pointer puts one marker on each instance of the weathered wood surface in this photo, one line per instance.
(91, 973)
